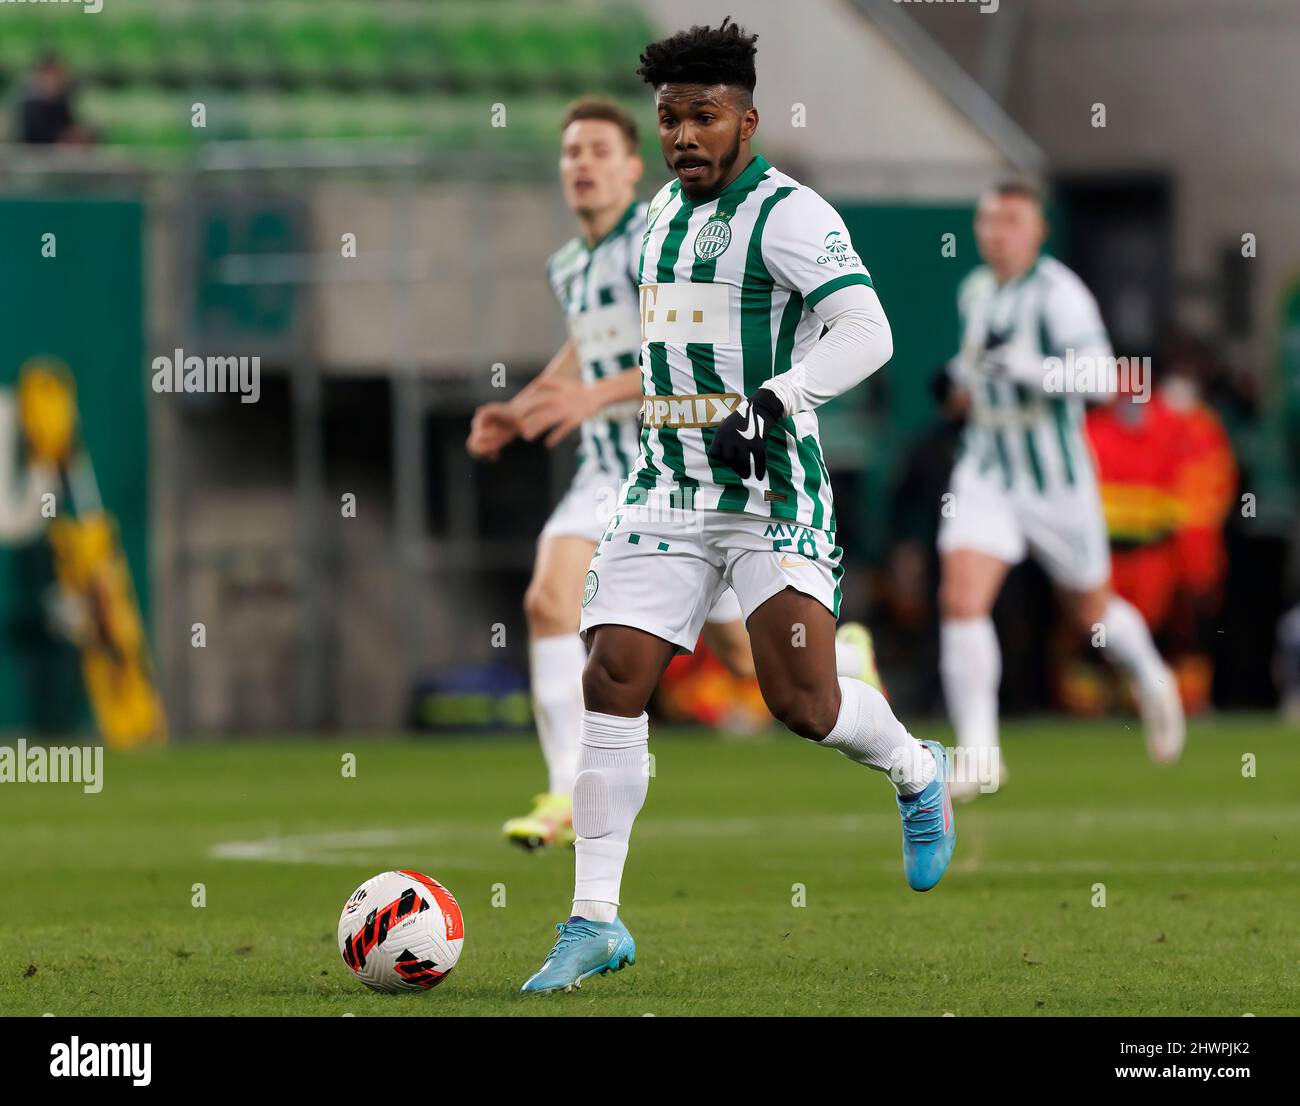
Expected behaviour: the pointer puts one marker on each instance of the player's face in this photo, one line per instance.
(1009, 231)
(597, 169)
(702, 130)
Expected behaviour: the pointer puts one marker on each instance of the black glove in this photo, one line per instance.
(991, 359)
(740, 442)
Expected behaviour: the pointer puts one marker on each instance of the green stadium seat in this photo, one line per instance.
(474, 57)
(27, 34)
(77, 43)
(307, 52)
(140, 115)
(335, 68)
(538, 50)
(365, 45)
(420, 53)
(591, 58)
(628, 38)
(136, 46)
(262, 114)
(391, 116)
(248, 49)
(194, 49)
(458, 122)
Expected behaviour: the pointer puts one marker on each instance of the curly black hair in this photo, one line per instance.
(702, 55)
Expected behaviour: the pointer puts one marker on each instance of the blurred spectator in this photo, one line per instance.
(1205, 490)
(1138, 448)
(1168, 478)
(1259, 525)
(45, 113)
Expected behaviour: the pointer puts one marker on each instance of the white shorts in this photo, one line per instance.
(662, 570)
(1064, 530)
(584, 509)
(584, 512)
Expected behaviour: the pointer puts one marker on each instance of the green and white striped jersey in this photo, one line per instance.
(1032, 439)
(727, 291)
(597, 288)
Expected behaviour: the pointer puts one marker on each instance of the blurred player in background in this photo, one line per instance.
(1025, 483)
(592, 384)
(741, 270)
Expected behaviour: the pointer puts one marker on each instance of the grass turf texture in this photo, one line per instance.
(1201, 869)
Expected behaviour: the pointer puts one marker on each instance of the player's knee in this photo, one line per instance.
(545, 610)
(805, 713)
(1088, 612)
(608, 689)
(957, 599)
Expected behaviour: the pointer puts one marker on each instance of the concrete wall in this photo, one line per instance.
(477, 293)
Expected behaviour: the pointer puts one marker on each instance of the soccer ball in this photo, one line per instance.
(401, 931)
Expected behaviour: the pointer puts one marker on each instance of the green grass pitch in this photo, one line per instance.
(1200, 865)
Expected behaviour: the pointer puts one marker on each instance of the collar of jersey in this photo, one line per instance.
(617, 228)
(753, 171)
(1024, 277)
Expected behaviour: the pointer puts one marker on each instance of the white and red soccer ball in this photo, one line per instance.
(401, 931)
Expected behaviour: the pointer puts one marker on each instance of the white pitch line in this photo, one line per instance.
(446, 843)
(988, 817)
(351, 846)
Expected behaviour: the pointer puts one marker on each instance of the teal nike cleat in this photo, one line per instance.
(581, 950)
(929, 832)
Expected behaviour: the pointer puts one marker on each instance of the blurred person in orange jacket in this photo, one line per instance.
(1139, 456)
(1168, 478)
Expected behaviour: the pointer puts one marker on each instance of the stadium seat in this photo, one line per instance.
(78, 44)
(335, 68)
(309, 52)
(590, 59)
(140, 115)
(475, 56)
(248, 50)
(195, 46)
(417, 55)
(364, 45)
(135, 45)
(23, 41)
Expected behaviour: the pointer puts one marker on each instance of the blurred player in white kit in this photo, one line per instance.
(1024, 484)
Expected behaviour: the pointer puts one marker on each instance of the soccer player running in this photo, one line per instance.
(1024, 482)
(592, 385)
(741, 268)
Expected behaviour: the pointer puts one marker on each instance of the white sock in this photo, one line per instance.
(613, 777)
(595, 911)
(971, 666)
(555, 665)
(1129, 644)
(867, 732)
(849, 660)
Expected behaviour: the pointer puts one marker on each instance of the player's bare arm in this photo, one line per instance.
(559, 405)
(495, 425)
